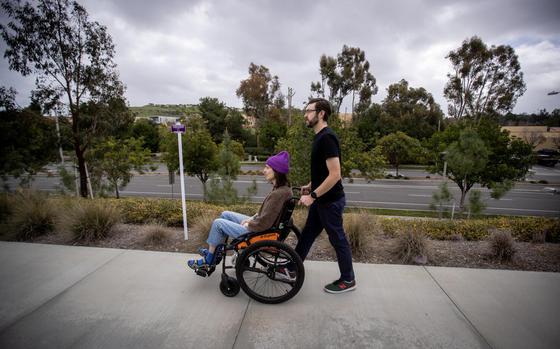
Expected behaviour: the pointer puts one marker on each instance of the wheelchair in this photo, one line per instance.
(261, 261)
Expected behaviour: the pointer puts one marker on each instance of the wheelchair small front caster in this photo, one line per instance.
(229, 286)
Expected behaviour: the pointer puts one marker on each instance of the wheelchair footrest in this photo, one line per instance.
(204, 270)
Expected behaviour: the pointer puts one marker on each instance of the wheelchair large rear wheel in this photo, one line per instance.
(259, 272)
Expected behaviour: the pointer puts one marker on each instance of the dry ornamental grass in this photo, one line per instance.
(502, 245)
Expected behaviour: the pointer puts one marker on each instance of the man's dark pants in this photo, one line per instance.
(328, 216)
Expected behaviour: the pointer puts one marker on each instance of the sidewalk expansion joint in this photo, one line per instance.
(241, 323)
(458, 308)
(56, 296)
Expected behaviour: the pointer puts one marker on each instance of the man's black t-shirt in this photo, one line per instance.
(325, 146)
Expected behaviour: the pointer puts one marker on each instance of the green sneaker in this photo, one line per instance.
(340, 286)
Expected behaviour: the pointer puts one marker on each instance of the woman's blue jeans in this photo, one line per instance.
(229, 224)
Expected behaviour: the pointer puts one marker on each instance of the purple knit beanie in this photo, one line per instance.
(280, 162)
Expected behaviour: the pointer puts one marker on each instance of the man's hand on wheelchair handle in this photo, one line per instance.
(306, 200)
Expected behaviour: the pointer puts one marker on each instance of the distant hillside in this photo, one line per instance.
(164, 110)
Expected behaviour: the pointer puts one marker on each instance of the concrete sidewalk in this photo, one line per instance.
(61, 297)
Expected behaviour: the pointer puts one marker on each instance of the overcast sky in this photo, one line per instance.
(177, 51)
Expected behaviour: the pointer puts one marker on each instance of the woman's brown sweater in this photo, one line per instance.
(270, 209)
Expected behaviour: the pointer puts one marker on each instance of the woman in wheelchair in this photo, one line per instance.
(234, 224)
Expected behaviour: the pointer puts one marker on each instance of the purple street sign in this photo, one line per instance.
(178, 128)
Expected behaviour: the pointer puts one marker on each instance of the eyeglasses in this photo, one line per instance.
(309, 110)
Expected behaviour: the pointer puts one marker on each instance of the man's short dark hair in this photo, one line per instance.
(321, 104)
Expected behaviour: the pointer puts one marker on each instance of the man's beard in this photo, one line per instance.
(312, 122)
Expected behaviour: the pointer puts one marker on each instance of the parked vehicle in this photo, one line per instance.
(547, 157)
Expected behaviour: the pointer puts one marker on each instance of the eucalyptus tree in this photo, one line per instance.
(259, 92)
(72, 58)
(347, 74)
(484, 81)
(411, 110)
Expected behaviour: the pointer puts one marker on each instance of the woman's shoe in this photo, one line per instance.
(195, 264)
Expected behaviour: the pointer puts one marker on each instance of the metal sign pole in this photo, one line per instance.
(180, 129)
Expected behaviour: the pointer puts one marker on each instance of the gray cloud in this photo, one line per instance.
(177, 51)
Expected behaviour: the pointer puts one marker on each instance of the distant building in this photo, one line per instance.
(541, 136)
(250, 121)
(160, 120)
(345, 117)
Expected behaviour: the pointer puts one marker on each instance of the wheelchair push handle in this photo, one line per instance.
(297, 192)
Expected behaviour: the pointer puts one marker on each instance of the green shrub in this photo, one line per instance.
(523, 229)
(476, 205)
(245, 208)
(31, 216)
(553, 230)
(391, 226)
(90, 220)
(141, 210)
(472, 229)
(6, 204)
(166, 211)
(502, 245)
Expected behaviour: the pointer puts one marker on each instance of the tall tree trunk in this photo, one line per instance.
(81, 170)
(464, 190)
(353, 95)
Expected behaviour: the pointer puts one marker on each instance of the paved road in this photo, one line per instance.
(78, 297)
(524, 199)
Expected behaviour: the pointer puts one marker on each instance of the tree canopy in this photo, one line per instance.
(148, 132)
(398, 148)
(297, 142)
(200, 153)
(260, 91)
(72, 58)
(484, 81)
(481, 153)
(218, 117)
(346, 74)
(114, 159)
(410, 110)
(28, 142)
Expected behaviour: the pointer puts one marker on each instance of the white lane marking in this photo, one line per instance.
(386, 203)
(156, 193)
(449, 206)
(421, 195)
(521, 209)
